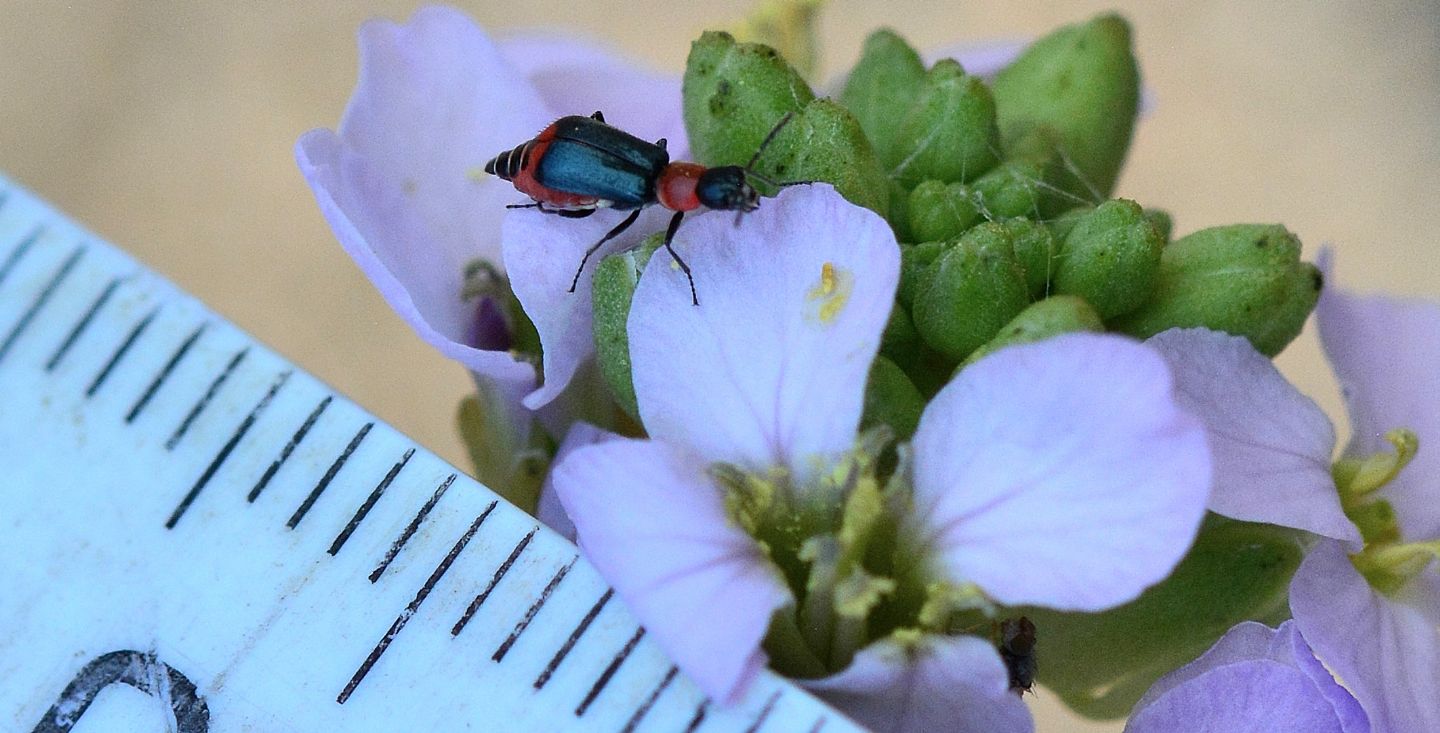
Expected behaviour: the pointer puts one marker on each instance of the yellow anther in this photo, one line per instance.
(833, 291)
(1389, 567)
(476, 174)
(1357, 478)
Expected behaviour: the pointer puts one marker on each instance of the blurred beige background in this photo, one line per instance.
(167, 127)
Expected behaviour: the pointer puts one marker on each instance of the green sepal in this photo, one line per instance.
(734, 94)
(891, 399)
(1050, 317)
(883, 84)
(949, 133)
(1163, 222)
(1035, 249)
(1011, 189)
(1081, 83)
(614, 286)
(1244, 279)
(900, 341)
(972, 289)
(824, 143)
(1111, 258)
(1101, 663)
(940, 211)
(511, 460)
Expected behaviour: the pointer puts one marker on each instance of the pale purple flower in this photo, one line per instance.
(1384, 645)
(1272, 445)
(401, 181)
(1060, 474)
(1254, 680)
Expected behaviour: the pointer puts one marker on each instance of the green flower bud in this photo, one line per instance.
(972, 289)
(1050, 317)
(615, 279)
(1162, 221)
(891, 399)
(1035, 253)
(825, 143)
(941, 211)
(734, 94)
(900, 340)
(1101, 663)
(915, 259)
(1244, 279)
(1062, 225)
(1111, 258)
(1012, 189)
(900, 212)
(1082, 83)
(949, 134)
(882, 85)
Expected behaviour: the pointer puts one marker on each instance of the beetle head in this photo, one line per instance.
(727, 188)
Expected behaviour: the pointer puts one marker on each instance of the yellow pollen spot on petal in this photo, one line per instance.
(831, 293)
(476, 174)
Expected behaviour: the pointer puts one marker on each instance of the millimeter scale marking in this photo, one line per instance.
(197, 536)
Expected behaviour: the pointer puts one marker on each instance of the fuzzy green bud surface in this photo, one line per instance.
(940, 211)
(949, 134)
(1111, 258)
(1050, 317)
(972, 289)
(733, 95)
(885, 82)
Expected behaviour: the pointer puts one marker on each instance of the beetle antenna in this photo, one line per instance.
(769, 137)
(777, 184)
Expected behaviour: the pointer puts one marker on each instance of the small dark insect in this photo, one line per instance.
(1017, 650)
(580, 164)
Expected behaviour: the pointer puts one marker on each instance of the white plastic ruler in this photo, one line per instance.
(197, 536)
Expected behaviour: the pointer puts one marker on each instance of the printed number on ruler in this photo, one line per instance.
(197, 536)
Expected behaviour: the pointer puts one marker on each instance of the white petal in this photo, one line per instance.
(655, 526)
(1061, 474)
(953, 684)
(1386, 650)
(1271, 444)
(1385, 352)
(770, 368)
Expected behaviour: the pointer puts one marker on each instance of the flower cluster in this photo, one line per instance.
(941, 411)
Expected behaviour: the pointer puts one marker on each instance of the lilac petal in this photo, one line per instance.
(388, 240)
(655, 526)
(955, 683)
(1385, 352)
(1271, 444)
(402, 182)
(1386, 650)
(984, 59)
(542, 253)
(1061, 474)
(577, 76)
(770, 368)
(549, 509)
(1229, 669)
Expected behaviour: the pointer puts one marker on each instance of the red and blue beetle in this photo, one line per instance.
(580, 164)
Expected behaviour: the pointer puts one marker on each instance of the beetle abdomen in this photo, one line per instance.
(508, 164)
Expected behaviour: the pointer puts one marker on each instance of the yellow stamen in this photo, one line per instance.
(832, 291)
(1357, 478)
(1389, 567)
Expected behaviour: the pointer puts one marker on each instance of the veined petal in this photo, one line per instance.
(1212, 693)
(577, 76)
(655, 526)
(955, 683)
(542, 253)
(1271, 444)
(402, 182)
(1385, 352)
(386, 236)
(1385, 649)
(549, 509)
(770, 368)
(1060, 474)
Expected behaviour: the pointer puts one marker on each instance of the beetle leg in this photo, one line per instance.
(670, 236)
(531, 205)
(622, 226)
(597, 116)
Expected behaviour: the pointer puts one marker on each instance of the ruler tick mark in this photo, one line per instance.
(165, 371)
(205, 398)
(225, 450)
(574, 637)
(83, 323)
(534, 609)
(699, 718)
(644, 708)
(609, 672)
(764, 713)
(120, 352)
(329, 476)
(494, 581)
(288, 449)
(414, 606)
(369, 504)
(19, 251)
(40, 300)
(410, 528)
